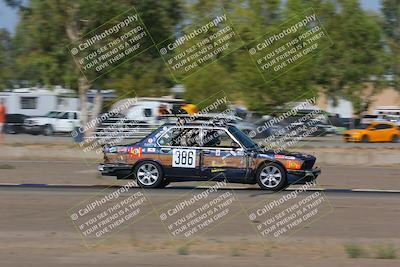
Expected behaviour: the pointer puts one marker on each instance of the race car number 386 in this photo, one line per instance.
(184, 158)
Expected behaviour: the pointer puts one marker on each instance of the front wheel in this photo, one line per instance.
(271, 176)
(364, 139)
(149, 174)
(395, 139)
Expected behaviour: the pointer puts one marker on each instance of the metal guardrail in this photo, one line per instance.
(122, 128)
(119, 129)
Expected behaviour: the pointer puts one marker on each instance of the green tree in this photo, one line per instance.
(391, 27)
(236, 73)
(48, 26)
(356, 59)
(5, 59)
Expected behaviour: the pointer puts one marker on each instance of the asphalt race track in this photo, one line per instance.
(36, 223)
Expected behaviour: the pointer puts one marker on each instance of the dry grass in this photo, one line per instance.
(6, 167)
(355, 250)
(385, 251)
(380, 251)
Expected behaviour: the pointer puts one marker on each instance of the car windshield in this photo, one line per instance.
(52, 114)
(363, 126)
(391, 118)
(242, 137)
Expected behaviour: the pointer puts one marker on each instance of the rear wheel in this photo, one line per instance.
(364, 139)
(271, 176)
(395, 139)
(149, 174)
(48, 130)
(8, 129)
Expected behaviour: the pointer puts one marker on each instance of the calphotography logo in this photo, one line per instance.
(110, 45)
(287, 46)
(108, 129)
(199, 133)
(284, 214)
(110, 211)
(199, 211)
(198, 46)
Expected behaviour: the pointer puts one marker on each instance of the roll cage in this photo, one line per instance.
(196, 136)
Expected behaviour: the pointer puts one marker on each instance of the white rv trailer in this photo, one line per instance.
(388, 113)
(387, 110)
(38, 101)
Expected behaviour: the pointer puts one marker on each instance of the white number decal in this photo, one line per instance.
(184, 158)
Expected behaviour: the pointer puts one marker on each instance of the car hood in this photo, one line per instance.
(38, 119)
(271, 154)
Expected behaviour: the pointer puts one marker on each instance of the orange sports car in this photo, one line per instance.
(373, 132)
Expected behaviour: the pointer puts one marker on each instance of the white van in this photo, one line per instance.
(54, 122)
(388, 113)
(147, 109)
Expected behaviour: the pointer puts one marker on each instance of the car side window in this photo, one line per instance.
(147, 112)
(382, 126)
(189, 137)
(219, 138)
(64, 116)
(167, 137)
(181, 137)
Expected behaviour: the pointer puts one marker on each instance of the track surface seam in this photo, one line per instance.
(71, 186)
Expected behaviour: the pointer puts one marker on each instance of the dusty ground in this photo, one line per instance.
(35, 231)
(84, 172)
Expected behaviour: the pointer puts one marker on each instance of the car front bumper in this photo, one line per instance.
(352, 138)
(303, 176)
(33, 128)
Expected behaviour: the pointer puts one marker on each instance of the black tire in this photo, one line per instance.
(149, 174)
(164, 183)
(48, 130)
(365, 139)
(8, 129)
(395, 139)
(271, 182)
